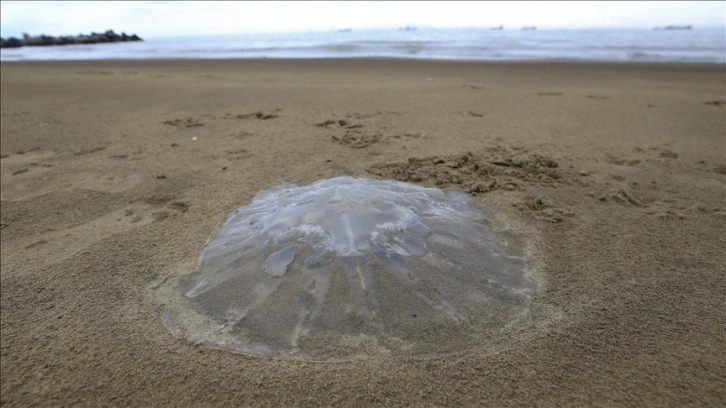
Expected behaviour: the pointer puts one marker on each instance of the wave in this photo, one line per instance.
(463, 44)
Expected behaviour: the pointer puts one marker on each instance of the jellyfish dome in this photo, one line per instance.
(347, 267)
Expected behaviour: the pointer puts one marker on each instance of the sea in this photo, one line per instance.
(696, 45)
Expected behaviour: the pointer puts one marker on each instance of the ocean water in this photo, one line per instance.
(699, 45)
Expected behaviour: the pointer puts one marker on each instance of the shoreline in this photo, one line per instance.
(381, 59)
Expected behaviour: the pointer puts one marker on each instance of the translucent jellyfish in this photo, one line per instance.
(346, 267)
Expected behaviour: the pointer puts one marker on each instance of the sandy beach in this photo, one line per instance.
(114, 174)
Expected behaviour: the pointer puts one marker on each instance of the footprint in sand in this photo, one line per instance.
(25, 187)
(621, 161)
(184, 123)
(339, 123)
(416, 135)
(17, 170)
(355, 133)
(89, 151)
(20, 157)
(238, 154)
(621, 197)
(357, 140)
(668, 215)
(242, 134)
(368, 115)
(254, 115)
(539, 209)
(29, 175)
(667, 154)
(55, 245)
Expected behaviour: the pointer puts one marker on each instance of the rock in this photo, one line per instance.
(47, 40)
(11, 42)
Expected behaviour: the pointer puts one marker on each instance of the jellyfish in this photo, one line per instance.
(347, 267)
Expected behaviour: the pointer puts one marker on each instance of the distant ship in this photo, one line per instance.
(530, 28)
(498, 28)
(407, 28)
(675, 27)
(345, 30)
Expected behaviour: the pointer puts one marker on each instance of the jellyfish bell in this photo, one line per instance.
(346, 267)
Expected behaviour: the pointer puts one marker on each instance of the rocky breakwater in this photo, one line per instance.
(46, 40)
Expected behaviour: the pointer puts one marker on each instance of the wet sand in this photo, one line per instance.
(115, 174)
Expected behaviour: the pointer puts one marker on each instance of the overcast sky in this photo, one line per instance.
(168, 18)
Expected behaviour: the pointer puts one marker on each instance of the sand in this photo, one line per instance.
(114, 175)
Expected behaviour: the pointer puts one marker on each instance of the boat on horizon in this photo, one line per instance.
(529, 28)
(499, 28)
(675, 27)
